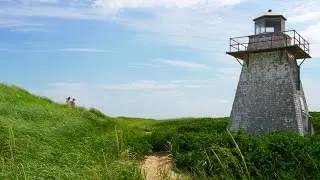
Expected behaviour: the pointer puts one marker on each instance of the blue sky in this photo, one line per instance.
(146, 58)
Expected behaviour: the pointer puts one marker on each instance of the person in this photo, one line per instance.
(68, 100)
(73, 103)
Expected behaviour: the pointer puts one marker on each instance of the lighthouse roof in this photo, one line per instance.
(270, 13)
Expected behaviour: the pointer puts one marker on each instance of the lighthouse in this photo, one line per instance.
(269, 95)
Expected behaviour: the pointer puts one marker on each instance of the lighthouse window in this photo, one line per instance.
(269, 29)
(273, 25)
(260, 27)
(258, 31)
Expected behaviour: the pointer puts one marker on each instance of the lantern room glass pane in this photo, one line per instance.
(273, 25)
(269, 29)
(259, 27)
(258, 31)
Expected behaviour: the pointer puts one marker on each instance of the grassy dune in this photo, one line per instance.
(44, 140)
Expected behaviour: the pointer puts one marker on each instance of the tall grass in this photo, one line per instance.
(240, 154)
(44, 140)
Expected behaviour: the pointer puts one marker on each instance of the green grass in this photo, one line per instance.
(204, 148)
(41, 139)
(44, 140)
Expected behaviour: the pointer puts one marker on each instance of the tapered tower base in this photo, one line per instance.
(270, 96)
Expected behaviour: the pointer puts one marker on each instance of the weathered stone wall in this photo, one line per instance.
(268, 98)
(268, 40)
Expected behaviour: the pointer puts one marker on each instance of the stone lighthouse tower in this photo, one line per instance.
(269, 94)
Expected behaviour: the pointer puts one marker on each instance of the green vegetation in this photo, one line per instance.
(44, 140)
(206, 149)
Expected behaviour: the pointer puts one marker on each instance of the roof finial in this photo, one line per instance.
(269, 10)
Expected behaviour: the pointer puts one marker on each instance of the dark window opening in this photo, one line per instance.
(268, 25)
(273, 25)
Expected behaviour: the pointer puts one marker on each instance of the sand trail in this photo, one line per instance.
(158, 166)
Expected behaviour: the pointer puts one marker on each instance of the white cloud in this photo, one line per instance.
(306, 15)
(31, 29)
(145, 85)
(11, 23)
(21, 25)
(46, 1)
(202, 28)
(197, 24)
(311, 34)
(67, 50)
(192, 81)
(85, 50)
(68, 86)
(159, 85)
(119, 4)
(301, 11)
(145, 65)
(185, 64)
(33, 2)
(52, 12)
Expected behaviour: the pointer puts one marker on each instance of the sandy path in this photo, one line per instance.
(158, 166)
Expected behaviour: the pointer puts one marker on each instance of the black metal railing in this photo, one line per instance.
(292, 37)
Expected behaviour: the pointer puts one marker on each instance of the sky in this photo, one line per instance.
(142, 58)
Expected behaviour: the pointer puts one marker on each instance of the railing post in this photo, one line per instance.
(294, 37)
(229, 44)
(299, 41)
